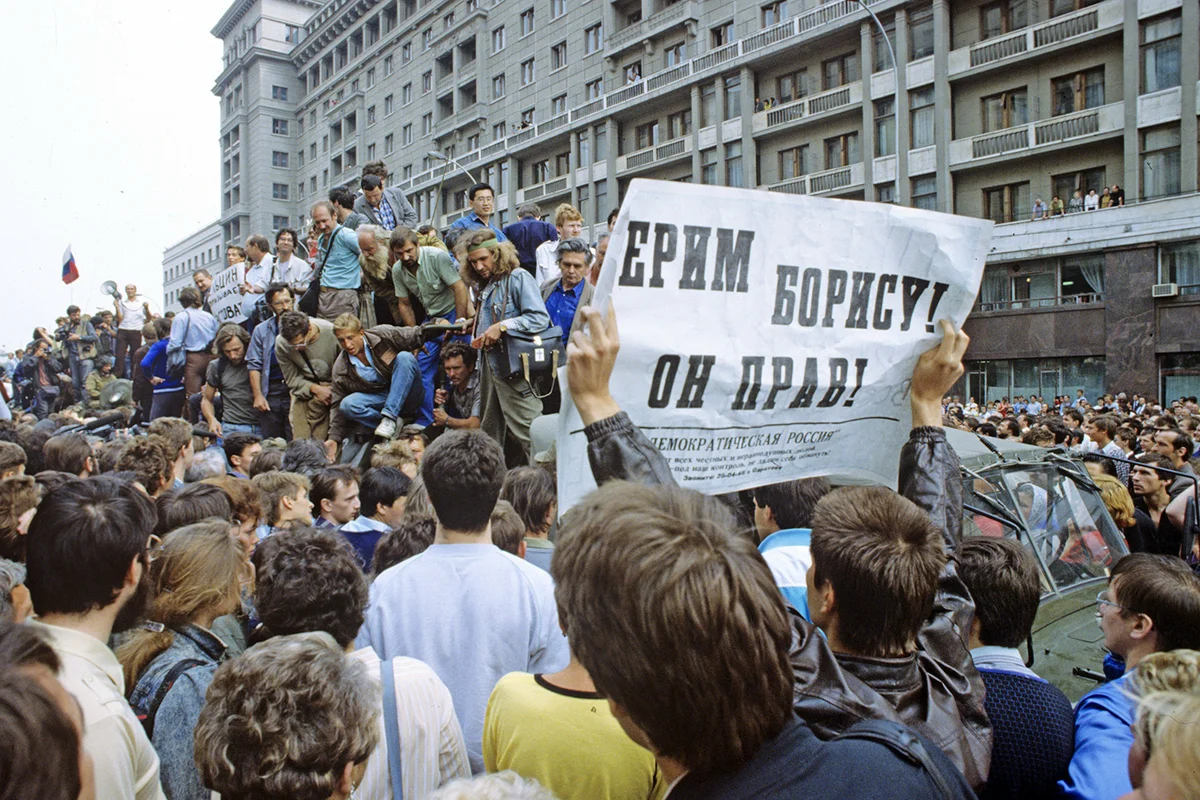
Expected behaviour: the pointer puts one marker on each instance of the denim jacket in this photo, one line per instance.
(516, 300)
(179, 711)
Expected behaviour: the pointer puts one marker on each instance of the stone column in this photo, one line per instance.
(941, 103)
(695, 100)
(866, 39)
(612, 133)
(1189, 75)
(1131, 41)
(749, 146)
(1130, 362)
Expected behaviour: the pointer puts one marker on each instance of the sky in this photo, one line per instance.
(110, 146)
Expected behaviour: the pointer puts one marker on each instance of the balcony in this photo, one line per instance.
(550, 188)
(1089, 125)
(830, 182)
(655, 156)
(1053, 34)
(669, 17)
(789, 115)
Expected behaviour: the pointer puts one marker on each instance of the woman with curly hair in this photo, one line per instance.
(292, 718)
(169, 663)
(508, 299)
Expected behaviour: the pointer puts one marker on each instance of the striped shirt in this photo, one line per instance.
(432, 751)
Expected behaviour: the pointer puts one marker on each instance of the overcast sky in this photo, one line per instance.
(110, 146)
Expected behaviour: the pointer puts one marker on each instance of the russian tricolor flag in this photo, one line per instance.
(70, 273)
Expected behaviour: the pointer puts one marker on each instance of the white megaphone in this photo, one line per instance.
(110, 288)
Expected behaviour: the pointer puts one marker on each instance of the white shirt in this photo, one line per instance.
(547, 263)
(259, 276)
(432, 751)
(1091, 202)
(126, 765)
(133, 318)
(296, 272)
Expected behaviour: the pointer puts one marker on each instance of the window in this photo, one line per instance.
(279, 159)
(924, 193)
(920, 33)
(1077, 92)
(885, 193)
(498, 131)
(1160, 53)
(593, 90)
(646, 135)
(562, 164)
(527, 74)
(601, 144)
(558, 105)
(473, 142)
(679, 124)
(1160, 161)
(406, 172)
(406, 136)
(593, 39)
(721, 35)
(325, 144)
(278, 222)
(527, 22)
(448, 21)
(279, 126)
(299, 158)
(291, 34)
(279, 191)
(585, 148)
(999, 18)
(921, 115)
(1058, 7)
(388, 66)
(427, 124)
(279, 93)
(1005, 110)
(839, 71)
(633, 72)
(1067, 184)
(708, 105)
(673, 55)
(881, 57)
(885, 127)
(708, 166)
(558, 56)
(406, 52)
(312, 151)
(371, 115)
(841, 151)
(1006, 203)
(557, 8)
(540, 171)
(793, 162)
(733, 97)
(733, 165)
(502, 180)
(498, 86)
(498, 39)
(528, 118)
(371, 152)
(389, 141)
(406, 94)
(312, 184)
(792, 86)
(426, 39)
(389, 106)
(601, 201)
(585, 198)
(774, 13)
(1180, 263)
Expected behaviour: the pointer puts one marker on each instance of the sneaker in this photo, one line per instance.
(386, 429)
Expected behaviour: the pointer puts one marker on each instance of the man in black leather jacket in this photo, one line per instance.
(934, 688)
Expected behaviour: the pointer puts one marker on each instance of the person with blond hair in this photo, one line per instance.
(569, 223)
(1132, 521)
(509, 299)
(1163, 762)
(171, 660)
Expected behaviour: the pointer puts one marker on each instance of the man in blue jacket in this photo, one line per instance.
(528, 233)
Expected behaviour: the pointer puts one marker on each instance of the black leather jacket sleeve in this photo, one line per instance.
(617, 450)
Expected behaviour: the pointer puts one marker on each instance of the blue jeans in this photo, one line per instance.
(80, 369)
(237, 427)
(404, 397)
(429, 358)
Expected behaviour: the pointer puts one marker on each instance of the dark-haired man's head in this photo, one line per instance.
(1152, 605)
(293, 326)
(334, 494)
(309, 580)
(787, 505)
(18, 503)
(463, 472)
(191, 504)
(1003, 579)
(88, 553)
(343, 200)
(12, 460)
(876, 557)
(149, 459)
(241, 450)
(458, 360)
(382, 493)
(69, 452)
(661, 571)
(533, 496)
(1175, 445)
(181, 448)
(279, 298)
(1150, 478)
(508, 531)
(413, 535)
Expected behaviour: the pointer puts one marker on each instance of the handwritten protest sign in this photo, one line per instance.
(767, 337)
(224, 298)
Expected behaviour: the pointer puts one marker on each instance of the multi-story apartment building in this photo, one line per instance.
(991, 106)
(200, 250)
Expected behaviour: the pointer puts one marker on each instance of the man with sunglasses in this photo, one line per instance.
(82, 596)
(1151, 605)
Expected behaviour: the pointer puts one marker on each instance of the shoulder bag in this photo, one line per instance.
(532, 356)
(177, 356)
(310, 301)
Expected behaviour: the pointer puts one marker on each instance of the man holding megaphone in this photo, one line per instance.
(131, 317)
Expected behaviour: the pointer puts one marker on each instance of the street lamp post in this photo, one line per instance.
(434, 154)
(895, 91)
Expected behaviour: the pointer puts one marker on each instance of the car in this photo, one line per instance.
(1045, 499)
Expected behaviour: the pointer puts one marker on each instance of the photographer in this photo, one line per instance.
(80, 337)
(42, 372)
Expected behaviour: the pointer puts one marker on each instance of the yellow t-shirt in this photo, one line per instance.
(568, 741)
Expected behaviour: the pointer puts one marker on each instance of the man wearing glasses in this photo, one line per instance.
(1152, 604)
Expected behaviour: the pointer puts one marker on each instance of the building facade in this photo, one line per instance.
(991, 106)
(201, 250)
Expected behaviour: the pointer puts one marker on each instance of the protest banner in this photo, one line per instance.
(224, 298)
(767, 337)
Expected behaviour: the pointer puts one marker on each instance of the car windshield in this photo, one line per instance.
(1062, 517)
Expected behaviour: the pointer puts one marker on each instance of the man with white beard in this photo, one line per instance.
(377, 277)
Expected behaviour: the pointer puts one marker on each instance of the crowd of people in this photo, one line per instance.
(315, 554)
(1107, 197)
